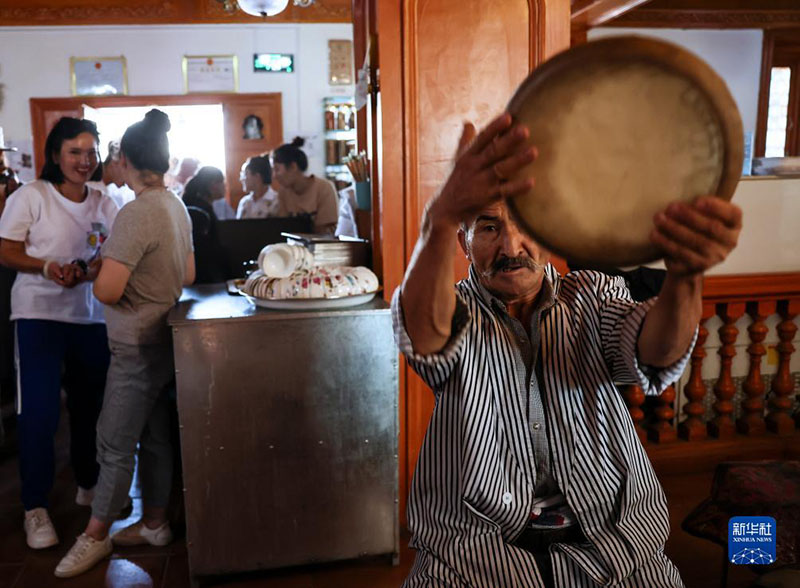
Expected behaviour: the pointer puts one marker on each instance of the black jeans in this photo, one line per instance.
(538, 542)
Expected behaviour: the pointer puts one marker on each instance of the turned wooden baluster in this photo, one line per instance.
(662, 431)
(779, 420)
(634, 398)
(721, 426)
(752, 420)
(694, 428)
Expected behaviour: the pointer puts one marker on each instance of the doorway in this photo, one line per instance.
(198, 130)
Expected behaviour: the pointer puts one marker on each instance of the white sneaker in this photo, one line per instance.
(140, 534)
(84, 497)
(39, 531)
(83, 556)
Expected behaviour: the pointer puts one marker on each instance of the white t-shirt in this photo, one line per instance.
(264, 207)
(54, 227)
(223, 210)
(121, 195)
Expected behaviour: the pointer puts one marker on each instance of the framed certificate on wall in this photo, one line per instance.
(210, 73)
(340, 63)
(98, 76)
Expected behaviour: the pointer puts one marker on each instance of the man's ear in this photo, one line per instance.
(462, 240)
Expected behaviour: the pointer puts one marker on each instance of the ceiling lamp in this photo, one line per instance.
(262, 8)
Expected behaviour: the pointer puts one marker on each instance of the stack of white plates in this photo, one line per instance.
(332, 252)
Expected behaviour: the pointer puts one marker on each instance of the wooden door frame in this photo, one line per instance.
(396, 193)
(39, 106)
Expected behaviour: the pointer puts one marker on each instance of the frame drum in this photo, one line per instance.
(624, 126)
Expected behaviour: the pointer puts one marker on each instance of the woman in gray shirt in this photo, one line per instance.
(146, 262)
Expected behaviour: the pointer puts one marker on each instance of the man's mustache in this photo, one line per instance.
(504, 262)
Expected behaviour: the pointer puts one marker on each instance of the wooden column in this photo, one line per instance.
(779, 420)
(634, 398)
(662, 431)
(441, 62)
(693, 428)
(751, 422)
(722, 426)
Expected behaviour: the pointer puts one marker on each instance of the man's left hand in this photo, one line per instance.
(698, 235)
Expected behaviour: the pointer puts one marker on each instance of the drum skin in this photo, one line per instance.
(623, 127)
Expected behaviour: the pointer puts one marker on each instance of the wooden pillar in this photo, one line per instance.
(721, 426)
(693, 428)
(441, 62)
(662, 431)
(634, 398)
(779, 420)
(751, 422)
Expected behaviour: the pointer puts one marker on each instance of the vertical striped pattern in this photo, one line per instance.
(477, 448)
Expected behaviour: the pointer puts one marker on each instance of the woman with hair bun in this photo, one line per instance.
(302, 194)
(146, 262)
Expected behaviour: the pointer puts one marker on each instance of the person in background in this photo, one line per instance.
(186, 170)
(302, 194)
(112, 183)
(205, 188)
(146, 261)
(261, 200)
(9, 181)
(51, 231)
(223, 209)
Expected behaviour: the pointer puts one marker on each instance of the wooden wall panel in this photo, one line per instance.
(454, 78)
(712, 14)
(238, 149)
(113, 12)
(456, 60)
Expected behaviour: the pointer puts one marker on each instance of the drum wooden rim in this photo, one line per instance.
(671, 58)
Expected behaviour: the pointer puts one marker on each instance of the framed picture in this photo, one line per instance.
(98, 76)
(210, 73)
(340, 63)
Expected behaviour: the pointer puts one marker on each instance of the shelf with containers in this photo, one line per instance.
(340, 135)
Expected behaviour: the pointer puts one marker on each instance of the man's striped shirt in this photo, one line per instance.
(473, 487)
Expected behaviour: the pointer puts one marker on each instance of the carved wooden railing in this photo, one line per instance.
(730, 297)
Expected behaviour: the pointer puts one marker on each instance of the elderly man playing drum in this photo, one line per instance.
(531, 473)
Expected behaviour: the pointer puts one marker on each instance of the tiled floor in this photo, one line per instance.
(167, 567)
(147, 567)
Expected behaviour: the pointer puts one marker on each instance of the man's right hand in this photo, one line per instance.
(481, 167)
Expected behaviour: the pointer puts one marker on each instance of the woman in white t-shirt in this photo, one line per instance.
(51, 232)
(261, 200)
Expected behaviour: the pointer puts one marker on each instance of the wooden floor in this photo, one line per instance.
(167, 567)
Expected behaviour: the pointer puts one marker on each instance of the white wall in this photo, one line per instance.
(770, 239)
(34, 63)
(735, 55)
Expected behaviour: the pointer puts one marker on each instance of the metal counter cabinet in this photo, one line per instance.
(288, 427)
